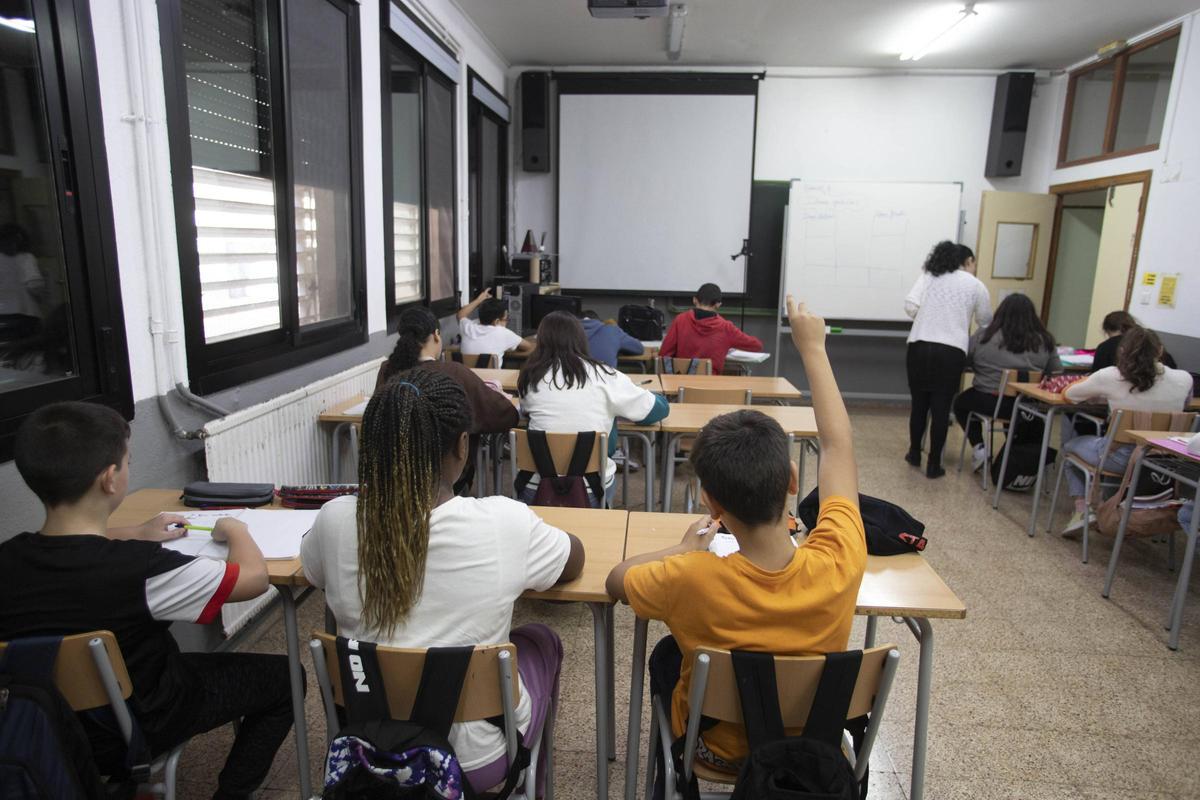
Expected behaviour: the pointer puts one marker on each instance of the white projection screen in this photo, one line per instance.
(654, 191)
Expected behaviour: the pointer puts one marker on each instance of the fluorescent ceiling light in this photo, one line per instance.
(17, 24)
(675, 25)
(931, 37)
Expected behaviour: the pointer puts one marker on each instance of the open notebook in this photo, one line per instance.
(277, 533)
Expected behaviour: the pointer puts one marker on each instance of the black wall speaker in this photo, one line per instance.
(535, 121)
(1010, 119)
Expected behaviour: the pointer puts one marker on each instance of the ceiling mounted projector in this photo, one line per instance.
(617, 9)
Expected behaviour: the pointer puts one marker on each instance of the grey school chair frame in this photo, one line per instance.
(660, 718)
(506, 672)
(108, 685)
(992, 425)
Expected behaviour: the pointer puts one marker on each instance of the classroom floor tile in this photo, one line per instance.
(1045, 690)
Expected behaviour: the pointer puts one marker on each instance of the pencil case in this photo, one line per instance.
(208, 494)
(314, 495)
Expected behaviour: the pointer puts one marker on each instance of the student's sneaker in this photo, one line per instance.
(620, 459)
(1074, 527)
(978, 458)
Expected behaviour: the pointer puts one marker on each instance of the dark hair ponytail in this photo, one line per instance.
(945, 257)
(1137, 357)
(409, 425)
(417, 324)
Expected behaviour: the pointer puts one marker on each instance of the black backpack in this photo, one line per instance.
(570, 490)
(44, 751)
(890, 529)
(668, 366)
(1021, 475)
(644, 323)
(372, 752)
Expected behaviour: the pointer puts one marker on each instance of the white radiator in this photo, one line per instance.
(280, 442)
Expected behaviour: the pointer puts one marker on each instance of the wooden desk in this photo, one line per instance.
(285, 575)
(685, 419)
(1182, 467)
(762, 387)
(507, 378)
(902, 586)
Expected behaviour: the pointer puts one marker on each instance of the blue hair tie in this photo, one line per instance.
(415, 388)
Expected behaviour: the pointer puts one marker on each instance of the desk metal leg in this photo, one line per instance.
(1041, 472)
(637, 677)
(669, 471)
(610, 705)
(600, 632)
(923, 631)
(1012, 430)
(1181, 588)
(296, 678)
(1120, 540)
(869, 637)
(647, 463)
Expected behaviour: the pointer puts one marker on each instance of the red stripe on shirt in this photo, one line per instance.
(224, 589)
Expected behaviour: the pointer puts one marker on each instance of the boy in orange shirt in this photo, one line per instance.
(772, 596)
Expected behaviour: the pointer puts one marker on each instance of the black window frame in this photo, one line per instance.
(479, 273)
(221, 365)
(79, 167)
(389, 41)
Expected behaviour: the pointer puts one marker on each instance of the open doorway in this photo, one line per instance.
(1093, 254)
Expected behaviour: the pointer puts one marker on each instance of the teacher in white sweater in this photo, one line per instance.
(942, 304)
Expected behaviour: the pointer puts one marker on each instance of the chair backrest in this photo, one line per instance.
(401, 668)
(474, 361)
(77, 675)
(1011, 376)
(562, 445)
(1121, 421)
(797, 678)
(734, 397)
(680, 366)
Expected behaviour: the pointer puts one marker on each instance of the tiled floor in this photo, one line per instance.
(1046, 690)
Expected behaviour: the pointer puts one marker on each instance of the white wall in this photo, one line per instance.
(146, 239)
(1170, 233)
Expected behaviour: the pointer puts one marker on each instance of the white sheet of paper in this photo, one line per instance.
(277, 533)
(357, 410)
(746, 356)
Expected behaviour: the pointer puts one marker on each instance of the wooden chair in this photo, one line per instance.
(995, 423)
(1121, 421)
(714, 694)
(90, 673)
(745, 397)
(476, 361)
(562, 447)
(491, 689)
(666, 365)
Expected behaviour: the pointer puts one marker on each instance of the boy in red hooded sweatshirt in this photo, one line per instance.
(704, 333)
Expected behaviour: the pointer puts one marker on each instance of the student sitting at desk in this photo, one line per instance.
(420, 345)
(1015, 339)
(565, 390)
(77, 575)
(1138, 383)
(1115, 324)
(771, 596)
(703, 333)
(607, 342)
(490, 334)
(409, 564)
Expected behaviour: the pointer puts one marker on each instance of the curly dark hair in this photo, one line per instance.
(944, 258)
(1137, 357)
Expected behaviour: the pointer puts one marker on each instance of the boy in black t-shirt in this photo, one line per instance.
(78, 575)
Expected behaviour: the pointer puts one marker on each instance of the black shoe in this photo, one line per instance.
(913, 457)
(934, 470)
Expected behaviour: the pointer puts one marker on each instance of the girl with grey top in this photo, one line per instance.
(1015, 339)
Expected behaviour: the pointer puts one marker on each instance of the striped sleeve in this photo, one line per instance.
(192, 592)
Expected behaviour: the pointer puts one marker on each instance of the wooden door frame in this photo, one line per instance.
(1076, 187)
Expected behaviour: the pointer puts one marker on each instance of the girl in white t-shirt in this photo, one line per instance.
(410, 564)
(564, 390)
(1138, 383)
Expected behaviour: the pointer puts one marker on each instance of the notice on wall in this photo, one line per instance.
(1149, 278)
(1166, 292)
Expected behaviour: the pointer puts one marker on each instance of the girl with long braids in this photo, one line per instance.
(408, 563)
(420, 345)
(1138, 382)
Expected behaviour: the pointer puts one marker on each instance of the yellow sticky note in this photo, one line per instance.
(1149, 278)
(1166, 293)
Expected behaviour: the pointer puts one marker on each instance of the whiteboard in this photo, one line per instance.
(654, 191)
(852, 250)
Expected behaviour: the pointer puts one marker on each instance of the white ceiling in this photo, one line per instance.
(1007, 34)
